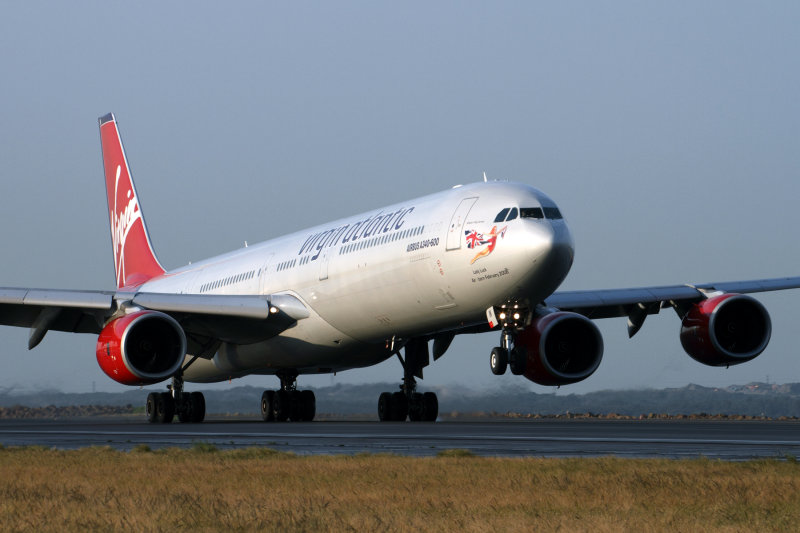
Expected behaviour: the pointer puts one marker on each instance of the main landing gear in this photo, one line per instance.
(396, 406)
(407, 402)
(288, 403)
(161, 407)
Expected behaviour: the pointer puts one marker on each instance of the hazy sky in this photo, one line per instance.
(668, 133)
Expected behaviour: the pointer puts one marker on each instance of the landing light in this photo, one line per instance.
(273, 309)
(511, 315)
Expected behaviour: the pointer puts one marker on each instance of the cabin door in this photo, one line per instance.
(455, 232)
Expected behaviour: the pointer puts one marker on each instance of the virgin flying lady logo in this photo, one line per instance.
(476, 240)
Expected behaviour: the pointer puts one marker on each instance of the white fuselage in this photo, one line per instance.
(412, 269)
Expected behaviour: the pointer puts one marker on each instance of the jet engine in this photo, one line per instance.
(726, 330)
(560, 348)
(141, 348)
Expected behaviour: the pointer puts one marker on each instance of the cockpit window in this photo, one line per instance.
(531, 212)
(513, 214)
(501, 216)
(552, 213)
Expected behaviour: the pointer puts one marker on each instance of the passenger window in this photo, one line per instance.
(531, 212)
(512, 215)
(501, 216)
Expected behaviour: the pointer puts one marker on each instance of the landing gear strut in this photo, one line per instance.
(407, 402)
(508, 354)
(161, 407)
(288, 403)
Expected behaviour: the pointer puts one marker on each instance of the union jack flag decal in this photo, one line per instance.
(475, 239)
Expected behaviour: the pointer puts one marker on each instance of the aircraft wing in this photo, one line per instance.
(60, 310)
(206, 319)
(238, 319)
(637, 303)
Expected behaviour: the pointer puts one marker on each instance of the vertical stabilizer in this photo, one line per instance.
(134, 259)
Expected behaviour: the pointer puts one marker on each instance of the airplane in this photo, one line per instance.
(401, 281)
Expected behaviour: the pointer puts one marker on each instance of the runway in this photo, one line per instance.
(727, 440)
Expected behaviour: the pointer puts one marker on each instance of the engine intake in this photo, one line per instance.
(141, 348)
(561, 348)
(726, 330)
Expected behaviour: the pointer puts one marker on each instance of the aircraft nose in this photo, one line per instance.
(552, 256)
(562, 248)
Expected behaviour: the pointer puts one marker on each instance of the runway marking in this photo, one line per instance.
(405, 436)
(732, 441)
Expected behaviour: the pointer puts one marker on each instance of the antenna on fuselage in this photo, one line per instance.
(484, 177)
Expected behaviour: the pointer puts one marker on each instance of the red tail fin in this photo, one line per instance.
(134, 259)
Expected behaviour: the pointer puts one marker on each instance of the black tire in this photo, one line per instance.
(498, 361)
(198, 403)
(295, 406)
(165, 408)
(185, 414)
(385, 407)
(430, 410)
(151, 408)
(415, 407)
(308, 405)
(518, 361)
(399, 407)
(267, 406)
(283, 406)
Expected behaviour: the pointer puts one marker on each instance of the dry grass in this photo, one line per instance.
(258, 489)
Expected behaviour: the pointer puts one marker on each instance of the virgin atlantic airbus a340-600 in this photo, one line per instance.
(483, 257)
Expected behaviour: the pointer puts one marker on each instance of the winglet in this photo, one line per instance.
(134, 259)
(109, 117)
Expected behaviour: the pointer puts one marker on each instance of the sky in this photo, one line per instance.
(668, 134)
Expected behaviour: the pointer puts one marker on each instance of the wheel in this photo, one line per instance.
(308, 405)
(198, 403)
(399, 407)
(385, 407)
(267, 402)
(282, 405)
(517, 361)
(498, 361)
(150, 407)
(165, 408)
(194, 407)
(415, 407)
(295, 406)
(185, 414)
(430, 407)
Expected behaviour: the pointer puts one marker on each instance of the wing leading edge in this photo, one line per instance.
(212, 318)
(637, 303)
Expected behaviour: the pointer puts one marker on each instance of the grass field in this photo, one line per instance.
(203, 489)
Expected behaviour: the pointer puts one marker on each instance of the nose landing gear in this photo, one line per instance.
(512, 317)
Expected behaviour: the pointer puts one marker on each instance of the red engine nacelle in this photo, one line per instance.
(561, 348)
(726, 330)
(141, 348)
